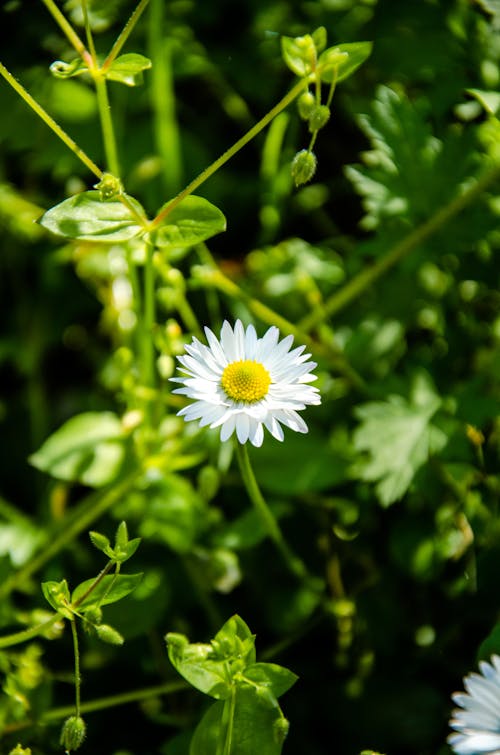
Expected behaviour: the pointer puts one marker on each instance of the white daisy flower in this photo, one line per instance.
(477, 720)
(242, 383)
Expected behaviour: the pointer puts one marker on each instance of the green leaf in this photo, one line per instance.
(195, 219)
(299, 53)
(490, 101)
(398, 438)
(62, 70)
(270, 675)
(345, 59)
(57, 595)
(101, 542)
(128, 69)
(89, 448)
(256, 727)
(235, 640)
(195, 662)
(87, 217)
(110, 589)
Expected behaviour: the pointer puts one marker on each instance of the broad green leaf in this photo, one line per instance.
(398, 438)
(256, 727)
(345, 59)
(195, 219)
(62, 70)
(87, 217)
(234, 640)
(110, 589)
(270, 675)
(197, 663)
(128, 69)
(299, 53)
(88, 448)
(57, 595)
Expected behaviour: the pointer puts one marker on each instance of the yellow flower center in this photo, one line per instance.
(246, 381)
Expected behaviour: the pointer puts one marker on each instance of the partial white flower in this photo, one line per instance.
(477, 720)
(242, 383)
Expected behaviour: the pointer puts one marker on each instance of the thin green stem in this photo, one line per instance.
(88, 33)
(370, 275)
(28, 634)
(268, 519)
(51, 123)
(230, 706)
(124, 35)
(89, 511)
(68, 30)
(148, 365)
(228, 154)
(94, 584)
(107, 128)
(76, 651)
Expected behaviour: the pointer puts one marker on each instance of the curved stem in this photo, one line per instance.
(268, 519)
(228, 154)
(28, 634)
(369, 275)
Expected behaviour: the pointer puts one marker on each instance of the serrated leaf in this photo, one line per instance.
(398, 438)
(62, 70)
(88, 448)
(87, 217)
(195, 219)
(128, 69)
(110, 589)
(344, 59)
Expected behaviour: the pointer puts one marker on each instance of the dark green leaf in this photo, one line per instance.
(87, 217)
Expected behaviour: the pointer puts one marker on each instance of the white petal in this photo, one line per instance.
(250, 342)
(242, 427)
(256, 434)
(216, 348)
(266, 344)
(228, 342)
(474, 742)
(274, 427)
(227, 428)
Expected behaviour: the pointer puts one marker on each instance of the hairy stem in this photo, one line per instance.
(124, 34)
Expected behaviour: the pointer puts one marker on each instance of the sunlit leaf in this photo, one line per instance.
(128, 69)
(110, 589)
(89, 448)
(88, 218)
(195, 219)
(341, 61)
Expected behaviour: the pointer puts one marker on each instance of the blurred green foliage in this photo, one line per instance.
(392, 497)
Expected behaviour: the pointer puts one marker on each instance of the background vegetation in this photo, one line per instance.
(392, 497)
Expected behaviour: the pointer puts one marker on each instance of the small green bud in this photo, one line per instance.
(305, 105)
(109, 187)
(93, 615)
(303, 167)
(319, 117)
(73, 733)
(109, 634)
(20, 750)
(280, 730)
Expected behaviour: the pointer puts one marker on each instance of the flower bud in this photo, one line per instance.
(319, 117)
(109, 634)
(109, 187)
(303, 167)
(305, 105)
(73, 733)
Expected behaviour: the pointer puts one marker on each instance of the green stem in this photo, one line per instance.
(94, 584)
(163, 100)
(50, 122)
(229, 708)
(67, 29)
(88, 33)
(108, 132)
(370, 275)
(90, 510)
(77, 667)
(264, 512)
(148, 365)
(28, 634)
(228, 154)
(124, 35)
